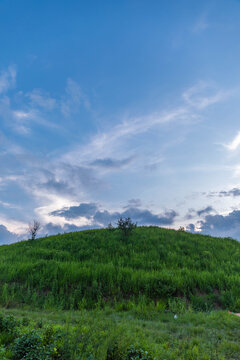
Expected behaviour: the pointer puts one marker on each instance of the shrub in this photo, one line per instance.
(135, 354)
(126, 226)
(181, 228)
(25, 321)
(29, 347)
(115, 351)
(8, 323)
(4, 353)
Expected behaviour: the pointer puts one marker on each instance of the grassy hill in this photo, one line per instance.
(95, 295)
(154, 267)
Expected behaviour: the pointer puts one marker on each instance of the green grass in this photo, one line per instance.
(94, 334)
(95, 295)
(154, 268)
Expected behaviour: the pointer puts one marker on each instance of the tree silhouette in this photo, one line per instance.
(126, 226)
(33, 229)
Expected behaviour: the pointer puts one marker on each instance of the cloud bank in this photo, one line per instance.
(101, 217)
(7, 237)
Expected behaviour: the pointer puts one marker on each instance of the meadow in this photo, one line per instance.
(153, 266)
(110, 335)
(97, 294)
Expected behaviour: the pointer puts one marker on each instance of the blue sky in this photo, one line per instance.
(111, 108)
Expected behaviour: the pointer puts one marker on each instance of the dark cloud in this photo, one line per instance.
(233, 192)
(205, 211)
(6, 236)
(222, 225)
(142, 217)
(50, 229)
(202, 212)
(111, 163)
(146, 217)
(104, 217)
(190, 228)
(85, 209)
(221, 222)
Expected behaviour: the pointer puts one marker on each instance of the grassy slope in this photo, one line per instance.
(151, 276)
(97, 267)
(89, 335)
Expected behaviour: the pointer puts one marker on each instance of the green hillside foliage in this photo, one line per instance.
(109, 335)
(152, 269)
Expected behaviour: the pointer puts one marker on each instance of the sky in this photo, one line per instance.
(119, 108)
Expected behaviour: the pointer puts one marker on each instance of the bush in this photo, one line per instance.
(135, 354)
(115, 351)
(29, 347)
(126, 226)
(4, 353)
(8, 323)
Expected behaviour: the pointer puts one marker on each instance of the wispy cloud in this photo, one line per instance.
(8, 205)
(80, 174)
(225, 193)
(41, 99)
(109, 163)
(74, 97)
(7, 79)
(106, 143)
(109, 143)
(234, 144)
(204, 94)
(22, 111)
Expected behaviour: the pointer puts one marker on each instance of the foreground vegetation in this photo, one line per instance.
(108, 335)
(153, 267)
(105, 295)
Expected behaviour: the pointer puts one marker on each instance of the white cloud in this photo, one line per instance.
(234, 144)
(22, 114)
(73, 167)
(8, 205)
(39, 98)
(111, 142)
(204, 94)
(7, 79)
(73, 99)
(15, 226)
(21, 120)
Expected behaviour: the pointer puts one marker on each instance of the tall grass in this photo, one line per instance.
(93, 268)
(109, 335)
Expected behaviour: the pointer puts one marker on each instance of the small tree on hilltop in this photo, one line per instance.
(181, 228)
(34, 228)
(126, 226)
